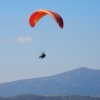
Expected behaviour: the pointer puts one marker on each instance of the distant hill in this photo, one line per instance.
(81, 81)
(50, 97)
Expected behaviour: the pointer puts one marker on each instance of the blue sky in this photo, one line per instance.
(76, 45)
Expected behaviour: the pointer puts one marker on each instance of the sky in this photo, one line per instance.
(76, 45)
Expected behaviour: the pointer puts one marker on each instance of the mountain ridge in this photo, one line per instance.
(80, 81)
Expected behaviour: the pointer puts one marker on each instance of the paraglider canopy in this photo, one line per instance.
(37, 15)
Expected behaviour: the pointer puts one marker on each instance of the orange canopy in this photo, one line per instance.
(37, 15)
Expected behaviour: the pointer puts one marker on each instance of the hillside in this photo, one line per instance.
(50, 97)
(81, 81)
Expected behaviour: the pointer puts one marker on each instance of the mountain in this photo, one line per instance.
(81, 81)
(50, 97)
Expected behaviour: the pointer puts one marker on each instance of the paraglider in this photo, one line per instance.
(37, 15)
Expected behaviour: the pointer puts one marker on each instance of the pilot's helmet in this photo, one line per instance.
(43, 53)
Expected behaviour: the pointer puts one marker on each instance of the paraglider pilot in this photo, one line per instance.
(42, 55)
